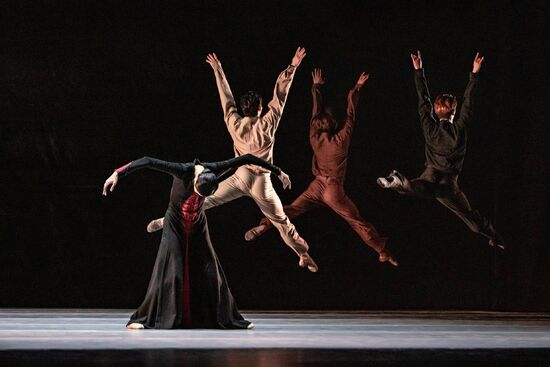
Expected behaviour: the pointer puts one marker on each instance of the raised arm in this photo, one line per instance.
(229, 107)
(282, 86)
(318, 82)
(172, 168)
(353, 99)
(219, 168)
(425, 106)
(466, 111)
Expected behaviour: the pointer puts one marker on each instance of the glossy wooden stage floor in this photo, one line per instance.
(97, 337)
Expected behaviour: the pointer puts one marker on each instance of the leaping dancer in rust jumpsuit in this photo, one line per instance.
(330, 143)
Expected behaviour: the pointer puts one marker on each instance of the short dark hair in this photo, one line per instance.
(207, 183)
(250, 103)
(445, 106)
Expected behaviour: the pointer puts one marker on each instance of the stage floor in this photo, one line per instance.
(285, 339)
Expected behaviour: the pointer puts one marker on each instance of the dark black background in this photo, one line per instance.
(87, 86)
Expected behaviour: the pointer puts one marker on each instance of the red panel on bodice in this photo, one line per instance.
(190, 209)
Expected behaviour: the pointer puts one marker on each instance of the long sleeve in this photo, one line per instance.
(220, 168)
(353, 99)
(425, 107)
(277, 104)
(317, 100)
(466, 111)
(229, 106)
(171, 168)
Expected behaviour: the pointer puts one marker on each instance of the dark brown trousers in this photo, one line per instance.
(434, 184)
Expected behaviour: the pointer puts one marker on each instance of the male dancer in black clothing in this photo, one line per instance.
(445, 150)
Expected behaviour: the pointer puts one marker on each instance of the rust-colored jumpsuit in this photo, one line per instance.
(330, 158)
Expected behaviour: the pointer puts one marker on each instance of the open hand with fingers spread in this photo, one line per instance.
(298, 56)
(362, 79)
(213, 60)
(317, 75)
(478, 60)
(417, 60)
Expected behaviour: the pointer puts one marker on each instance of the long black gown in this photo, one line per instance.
(188, 288)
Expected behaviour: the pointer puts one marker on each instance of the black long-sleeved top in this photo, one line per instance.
(445, 141)
(183, 173)
(182, 170)
(330, 150)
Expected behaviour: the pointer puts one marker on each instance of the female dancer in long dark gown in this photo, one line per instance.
(188, 288)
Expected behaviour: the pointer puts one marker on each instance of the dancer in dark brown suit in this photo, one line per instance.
(445, 150)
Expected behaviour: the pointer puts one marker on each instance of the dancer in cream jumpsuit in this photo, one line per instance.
(254, 134)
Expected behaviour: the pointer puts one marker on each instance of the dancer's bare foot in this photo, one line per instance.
(251, 326)
(155, 225)
(135, 326)
(307, 261)
(255, 232)
(386, 256)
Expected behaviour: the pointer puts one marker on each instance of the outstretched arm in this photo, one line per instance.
(466, 111)
(318, 82)
(353, 99)
(229, 107)
(425, 107)
(353, 95)
(282, 86)
(219, 168)
(172, 168)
